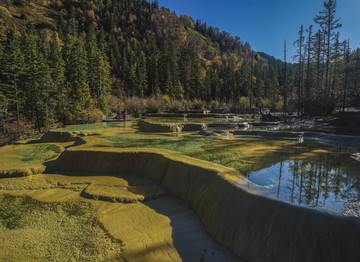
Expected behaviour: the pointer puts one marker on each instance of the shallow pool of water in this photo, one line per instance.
(97, 126)
(327, 180)
(205, 120)
(309, 174)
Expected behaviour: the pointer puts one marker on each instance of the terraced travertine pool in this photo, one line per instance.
(312, 173)
(97, 126)
(309, 173)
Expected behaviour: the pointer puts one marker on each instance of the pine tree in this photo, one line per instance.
(346, 55)
(319, 92)
(251, 91)
(12, 67)
(308, 69)
(299, 54)
(79, 90)
(285, 88)
(35, 78)
(336, 66)
(48, 104)
(57, 73)
(92, 61)
(98, 70)
(243, 80)
(141, 84)
(185, 71)
(3, 99)
(152, 64)
(196, 75)
(165, 72)
(328, 23)
(215, 84)
(115, 56)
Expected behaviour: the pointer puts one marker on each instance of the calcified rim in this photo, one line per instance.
(254, 227)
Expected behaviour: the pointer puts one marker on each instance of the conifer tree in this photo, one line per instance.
(319, 92)
(12, 68)
(165, 73)
(35, 78)
(79, 90)
(328, 23)
(3, 99)
(116, 61)
(285, 88)
(196, 76)
(346, 55)
(92, 61)
(152, 65)
(299, 54)
(173, 60)
(47, 91)
(215, 84)
(308, 69)
(57, 73)
(98, 70)
(185, 71)
(335, 72)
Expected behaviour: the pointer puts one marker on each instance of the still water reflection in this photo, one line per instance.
(97, 126)
(329, 182)
(309, 174)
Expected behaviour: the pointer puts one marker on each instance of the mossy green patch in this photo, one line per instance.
(31, 230)
(96, 126)
(241, 154)
(25, 155)
(38, 153)
(189, 145)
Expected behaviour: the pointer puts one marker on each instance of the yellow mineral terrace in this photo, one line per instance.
(137, 204)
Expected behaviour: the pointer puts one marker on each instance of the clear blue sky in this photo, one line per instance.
(266, 23)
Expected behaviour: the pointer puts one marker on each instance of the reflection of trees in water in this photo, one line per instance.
(312, 181)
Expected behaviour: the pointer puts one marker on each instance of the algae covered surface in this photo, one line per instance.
(309, 173)
(46, 218)
(70, 216)
(32, 230)
(26, 159)
(21, 155)
(242, 153)
(97, 126)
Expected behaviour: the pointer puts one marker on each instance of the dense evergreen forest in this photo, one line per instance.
(72, 61)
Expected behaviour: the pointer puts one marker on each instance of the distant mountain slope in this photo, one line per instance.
(135, 20)
(68, 51)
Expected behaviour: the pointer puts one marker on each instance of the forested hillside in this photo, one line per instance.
(72, 60)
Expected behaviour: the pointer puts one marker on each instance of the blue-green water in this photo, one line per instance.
(194, 120)
(310, 174)
(327, 181)
(97, 126)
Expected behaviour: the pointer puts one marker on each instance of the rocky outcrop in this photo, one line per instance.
(254, 227)
(63, 137)
(149, 126)
(24, 171)
(57, 137)
(193, 126)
